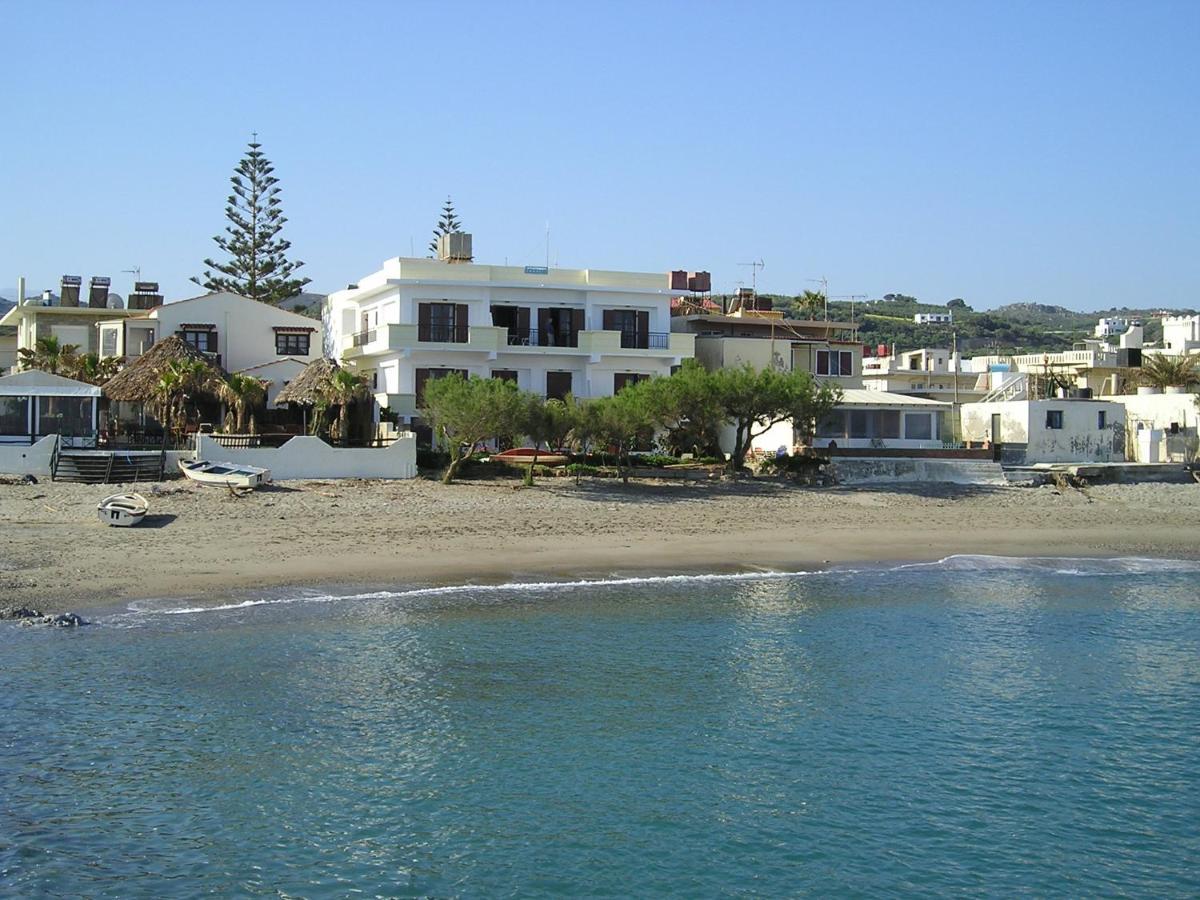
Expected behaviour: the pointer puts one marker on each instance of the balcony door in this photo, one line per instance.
(442, 323)
(634, 325)
(559, 327)
(516, 320)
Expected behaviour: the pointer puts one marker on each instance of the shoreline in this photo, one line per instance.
(203, 545)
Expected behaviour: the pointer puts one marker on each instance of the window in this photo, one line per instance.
(558, 385)
(424, 375)
(68, 416)
(835, 363)
(505, 375)
(13, 415)
(918, 427)
(1102, 420)
(375, 381)
(108, 342)
(623, 379)
(559, 327)
(1054, 419)
(204, 340)
(442, 323)
(291, 344)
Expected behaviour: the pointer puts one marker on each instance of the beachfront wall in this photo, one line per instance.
(1049, 431)
(311, 457)
(27, 459)
(1161, 427)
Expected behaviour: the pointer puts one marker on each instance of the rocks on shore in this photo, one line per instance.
(34, 617)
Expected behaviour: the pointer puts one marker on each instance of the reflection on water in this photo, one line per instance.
(979, 726)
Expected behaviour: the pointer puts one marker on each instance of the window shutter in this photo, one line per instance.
(544, 336)
(610, 320)
(212, 342)
(643, 328)
(523, 320)
(423, 315)
(460, 323)
(576, 320)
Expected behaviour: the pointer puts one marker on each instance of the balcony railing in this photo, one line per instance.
(363, 337)
(437, 333)
(534, 337)
(651, 340)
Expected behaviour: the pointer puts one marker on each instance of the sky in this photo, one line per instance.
(999, 152)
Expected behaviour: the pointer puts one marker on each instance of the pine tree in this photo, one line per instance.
(258, 266)
(449, 223)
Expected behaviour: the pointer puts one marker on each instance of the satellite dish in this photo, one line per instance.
(116, 301)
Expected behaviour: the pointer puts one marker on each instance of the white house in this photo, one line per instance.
(928, 372)
(933, 318)
(1181, 334)
(1049, 431)
(239, 334)
(553, 331)
(1162, 426)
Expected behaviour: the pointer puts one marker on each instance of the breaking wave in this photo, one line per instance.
(1046, 565)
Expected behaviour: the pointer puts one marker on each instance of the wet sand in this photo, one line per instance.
(203, 543)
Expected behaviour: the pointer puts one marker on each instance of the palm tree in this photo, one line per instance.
(49, 355)
(168, 397)
(1163, 371)
(179, 383)
(243, 393)
(343, 389)
(93, 369)
(810, 303)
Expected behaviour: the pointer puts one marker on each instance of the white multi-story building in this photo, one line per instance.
(933, 318)
(929, 372)
(553, 331)
(1114, 325)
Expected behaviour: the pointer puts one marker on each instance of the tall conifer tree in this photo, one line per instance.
(258, 266)
(449, 223)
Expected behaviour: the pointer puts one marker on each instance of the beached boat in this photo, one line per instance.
(225, 473)
(122, 510)
(523, 456)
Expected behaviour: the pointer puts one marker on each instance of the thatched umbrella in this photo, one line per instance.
(311, 386)
(138, 381)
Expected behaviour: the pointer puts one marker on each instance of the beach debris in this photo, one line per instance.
(61, 620)
(19, 612)
(18, 479)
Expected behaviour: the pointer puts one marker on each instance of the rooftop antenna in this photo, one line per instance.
(547, 244)
(754, 267)
(136, 272)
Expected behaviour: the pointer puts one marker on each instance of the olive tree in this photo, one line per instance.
(465, 412)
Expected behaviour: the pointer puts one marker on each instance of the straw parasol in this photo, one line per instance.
(311, 385)
(138, 381)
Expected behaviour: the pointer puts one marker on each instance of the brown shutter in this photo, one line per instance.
(212, 342)
(577, 320)
(643, 328)
(423, 316)
(460, 323)
(610, 320)
(523, 321)
(545, 338)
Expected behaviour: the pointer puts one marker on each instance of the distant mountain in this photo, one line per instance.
(307, 303)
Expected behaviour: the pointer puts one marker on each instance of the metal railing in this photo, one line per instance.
(645, 340)
(440, 334)
(358, 339)
(533, 337)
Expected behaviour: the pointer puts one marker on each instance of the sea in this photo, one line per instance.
(979, 726)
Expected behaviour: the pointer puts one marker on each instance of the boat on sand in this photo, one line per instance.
(524, 456)
(225, 473)
(122, 510)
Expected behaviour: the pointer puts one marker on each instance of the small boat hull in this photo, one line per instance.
(524, 456)
(225, 474)
(122, 510)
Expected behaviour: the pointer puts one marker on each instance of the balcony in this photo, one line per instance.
(492, 339)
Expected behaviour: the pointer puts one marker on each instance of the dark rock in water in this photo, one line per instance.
(19, 612)
(62, 620)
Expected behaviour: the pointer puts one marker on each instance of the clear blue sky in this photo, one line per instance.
(994, 151)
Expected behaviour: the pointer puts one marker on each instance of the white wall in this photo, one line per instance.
(1162, 412)
(1081, 439)
(311, 457)
(24, 459)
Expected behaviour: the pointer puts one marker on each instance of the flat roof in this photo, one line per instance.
(767, 321)
(863, 397)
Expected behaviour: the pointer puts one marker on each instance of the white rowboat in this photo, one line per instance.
(122, 510)
(225, 473)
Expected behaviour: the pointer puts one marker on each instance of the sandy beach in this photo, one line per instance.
(204, 543)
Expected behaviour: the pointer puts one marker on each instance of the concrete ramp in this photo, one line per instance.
(877, 470)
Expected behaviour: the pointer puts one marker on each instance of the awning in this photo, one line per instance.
(34, 383)
(292, 329)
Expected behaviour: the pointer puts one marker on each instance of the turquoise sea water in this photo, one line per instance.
(978, 726)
